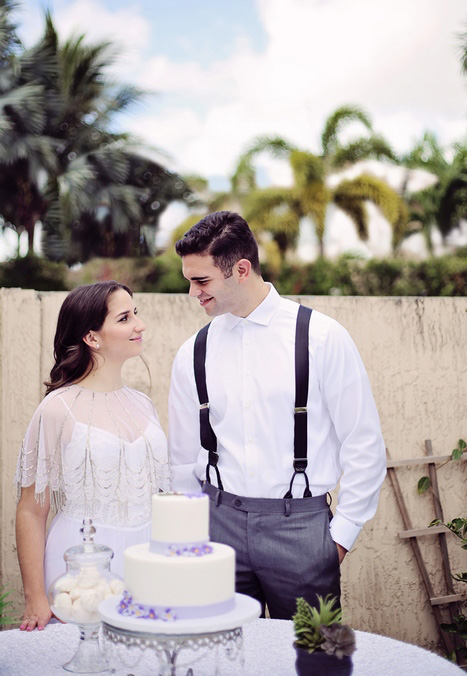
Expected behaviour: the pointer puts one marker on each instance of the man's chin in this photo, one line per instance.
(208, 305)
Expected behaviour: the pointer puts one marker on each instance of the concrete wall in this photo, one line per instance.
(415, 351)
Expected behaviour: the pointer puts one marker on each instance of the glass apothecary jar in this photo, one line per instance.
(75, 596)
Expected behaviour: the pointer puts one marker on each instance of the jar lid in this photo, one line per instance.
(88, 553)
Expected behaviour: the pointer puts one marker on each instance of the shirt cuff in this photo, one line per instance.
(344, 532)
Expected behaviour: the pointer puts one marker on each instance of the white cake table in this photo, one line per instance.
(268, 649)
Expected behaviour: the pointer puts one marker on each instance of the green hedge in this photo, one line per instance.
(348, 276)
(444, 276)
(32, 272)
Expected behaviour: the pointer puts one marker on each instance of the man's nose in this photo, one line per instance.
(193, 292)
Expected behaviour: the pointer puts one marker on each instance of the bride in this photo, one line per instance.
(94, 447)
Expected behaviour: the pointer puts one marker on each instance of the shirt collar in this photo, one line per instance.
(261, 314)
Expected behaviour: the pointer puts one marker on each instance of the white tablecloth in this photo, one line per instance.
(268, 651)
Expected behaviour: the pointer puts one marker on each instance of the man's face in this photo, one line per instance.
(216, 293)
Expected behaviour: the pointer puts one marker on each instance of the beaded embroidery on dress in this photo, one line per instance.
(102, 454)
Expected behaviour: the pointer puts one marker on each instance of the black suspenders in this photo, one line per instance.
(208, 438)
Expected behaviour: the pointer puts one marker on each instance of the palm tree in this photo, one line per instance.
(25, 151)
(445, 203)
(92, 189)
(279, 210)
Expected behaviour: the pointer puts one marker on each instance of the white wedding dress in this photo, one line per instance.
(100, 455)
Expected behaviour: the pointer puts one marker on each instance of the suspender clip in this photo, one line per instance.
(202, 406)
(300, 409)
(300, 464)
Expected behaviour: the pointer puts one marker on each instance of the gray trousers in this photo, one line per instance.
(284, 549)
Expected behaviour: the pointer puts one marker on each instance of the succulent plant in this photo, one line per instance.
(321, 628)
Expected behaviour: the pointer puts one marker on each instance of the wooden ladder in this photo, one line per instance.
(451, 642)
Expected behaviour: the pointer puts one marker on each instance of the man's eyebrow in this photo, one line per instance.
(199, 279)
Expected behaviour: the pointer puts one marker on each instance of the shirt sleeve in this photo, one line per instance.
(184, 432)
(40, 457)
(362, 457)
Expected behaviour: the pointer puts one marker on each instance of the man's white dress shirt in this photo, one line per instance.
(250, 378)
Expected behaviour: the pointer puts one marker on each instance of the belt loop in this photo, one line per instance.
(287, 507)
(329, 496)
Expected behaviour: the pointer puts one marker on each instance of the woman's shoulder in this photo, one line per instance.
(55, 401)
(142, 398)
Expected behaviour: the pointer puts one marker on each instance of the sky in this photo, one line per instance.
(222, 72)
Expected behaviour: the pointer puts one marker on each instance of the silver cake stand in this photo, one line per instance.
(181, 648)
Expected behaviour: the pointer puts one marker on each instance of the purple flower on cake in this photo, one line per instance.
(125, 603)
(194, 550)
(138, 611)
(168, 615)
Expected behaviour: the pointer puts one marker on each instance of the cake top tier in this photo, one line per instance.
(180, 518)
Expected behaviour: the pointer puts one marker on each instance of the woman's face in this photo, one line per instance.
(121, 334)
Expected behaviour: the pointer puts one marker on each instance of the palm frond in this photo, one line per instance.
(428, 154)
(314, 200)
(271, 209)
(196, 182)
(275, 145)
(462, 42)
(123, 97)
(124, 206)
(306, 168)
(9, 40)
(453, 204)
(373, 147)
(334, 124)
(243, 178)
(40, 151)
(274, 211)
(25, 107)
(40, 62)
(110, 163)
(367, 187)
(221, 201)
(355, 209)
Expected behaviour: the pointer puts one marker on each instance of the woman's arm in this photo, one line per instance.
(31, 520)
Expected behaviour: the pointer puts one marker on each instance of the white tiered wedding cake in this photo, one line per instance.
(179, 574)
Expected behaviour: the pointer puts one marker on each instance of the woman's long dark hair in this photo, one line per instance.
(83, 310)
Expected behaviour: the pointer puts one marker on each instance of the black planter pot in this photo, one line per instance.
(320, 664)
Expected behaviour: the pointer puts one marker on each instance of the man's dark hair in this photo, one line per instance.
(225, 236)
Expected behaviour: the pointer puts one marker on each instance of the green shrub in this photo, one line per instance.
(32, 272)
(348, 276)
(162, 274)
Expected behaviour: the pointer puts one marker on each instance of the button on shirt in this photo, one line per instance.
(251, 386)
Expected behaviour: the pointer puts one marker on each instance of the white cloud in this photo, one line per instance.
(396, 60)
(125, 27)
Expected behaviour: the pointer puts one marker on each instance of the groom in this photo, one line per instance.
(270, 406)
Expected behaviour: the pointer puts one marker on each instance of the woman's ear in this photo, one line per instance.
(91, 340)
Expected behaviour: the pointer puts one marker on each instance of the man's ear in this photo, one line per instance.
(242, 269)
(91, 340)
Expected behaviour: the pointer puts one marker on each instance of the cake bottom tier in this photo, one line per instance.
(204, 584)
